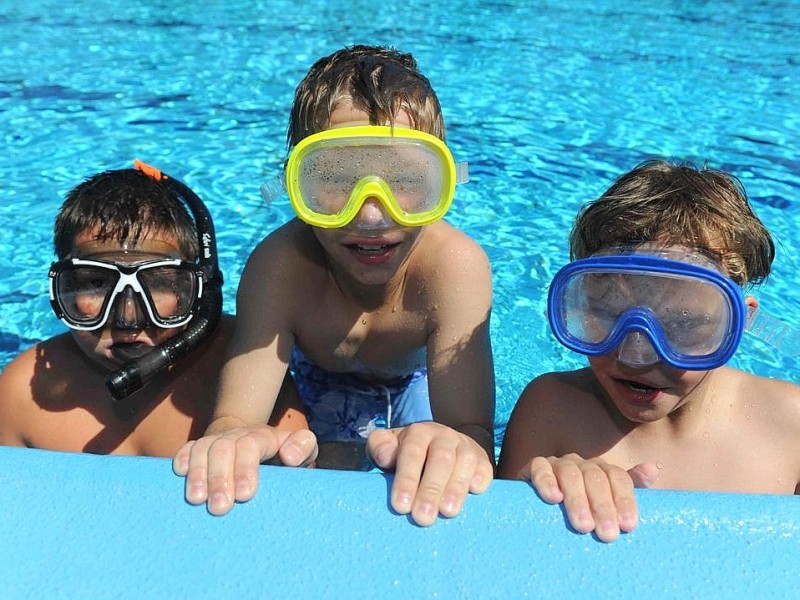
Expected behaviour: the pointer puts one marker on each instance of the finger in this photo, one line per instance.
(624, 498)
(576, 503)
(220, 475)
(382, 447)
(180, 464)
(196, 487)
(298, 448)
(249, 450)
(540, 473)
(439, 463)
(484, 472)
(462, 474)
(644, 475)
(601, 499)
(410, 454)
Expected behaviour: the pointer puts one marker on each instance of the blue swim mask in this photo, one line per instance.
(670, 304)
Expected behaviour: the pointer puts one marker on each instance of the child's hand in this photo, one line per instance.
(223, 468)
(597, 496)
(435, 468)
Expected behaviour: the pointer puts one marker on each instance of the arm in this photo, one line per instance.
(222, 466)
(438, 464)
(16, 398)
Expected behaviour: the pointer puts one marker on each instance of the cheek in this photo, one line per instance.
(159, 335)
(602, 363)
(87, 341)
(326, 237)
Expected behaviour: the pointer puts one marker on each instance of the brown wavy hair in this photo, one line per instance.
(678, 204)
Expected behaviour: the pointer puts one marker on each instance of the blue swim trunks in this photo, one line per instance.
(341, 407)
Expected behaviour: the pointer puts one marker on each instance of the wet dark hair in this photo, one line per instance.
(678, 204)
(378, 80)
(124, 205)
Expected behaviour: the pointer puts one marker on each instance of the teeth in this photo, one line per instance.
(638, 386)
(372, 249)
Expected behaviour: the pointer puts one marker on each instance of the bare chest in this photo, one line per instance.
(386, 343)
(712, 461)
(82, 418)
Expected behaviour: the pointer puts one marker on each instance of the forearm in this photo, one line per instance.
(223, 423)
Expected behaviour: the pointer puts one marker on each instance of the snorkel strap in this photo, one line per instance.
(774, 331)
(135, 374)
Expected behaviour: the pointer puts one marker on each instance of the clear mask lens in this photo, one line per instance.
(330, 175)
(647, 308)
(86, 292)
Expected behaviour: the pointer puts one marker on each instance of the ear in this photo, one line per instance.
(751, 302)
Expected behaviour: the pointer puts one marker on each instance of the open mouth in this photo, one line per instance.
(371, 249)
(638, 392)
(638, 387)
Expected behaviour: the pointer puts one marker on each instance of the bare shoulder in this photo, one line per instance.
(450, 247)
(777, 401)
(43, 370)
(15, 380)
(552, 413)
(450, 266)
(282, 268)
(290, 246)
(553, 398)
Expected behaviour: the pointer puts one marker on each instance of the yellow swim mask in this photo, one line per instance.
(330, 175)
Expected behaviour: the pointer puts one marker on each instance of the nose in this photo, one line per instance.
(637, 351)
(128, 313)
(371, 216)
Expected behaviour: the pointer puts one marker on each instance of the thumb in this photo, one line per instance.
(297, 448)
(644, 475)
(382, 446)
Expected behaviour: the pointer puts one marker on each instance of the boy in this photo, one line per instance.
(373, 299)
(654, 299)
(133, 224)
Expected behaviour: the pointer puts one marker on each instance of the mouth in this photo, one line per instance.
(371, 249)
(637, 391)
(636, 386)
(125, 352)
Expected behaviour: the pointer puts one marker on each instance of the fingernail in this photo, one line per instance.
(243, 488)
(220, 500)
(197, 491)
(402, 503)
(383, 455)
(426, 509)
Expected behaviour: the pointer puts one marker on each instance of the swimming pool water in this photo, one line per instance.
(548, 101)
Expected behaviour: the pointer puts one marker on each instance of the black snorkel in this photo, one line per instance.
(135, 374)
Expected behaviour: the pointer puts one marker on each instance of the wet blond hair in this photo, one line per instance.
(380, 81)
(678, 204)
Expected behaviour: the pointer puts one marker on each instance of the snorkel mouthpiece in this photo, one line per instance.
(133, 375)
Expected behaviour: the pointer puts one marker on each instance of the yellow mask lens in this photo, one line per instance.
(331, 174)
